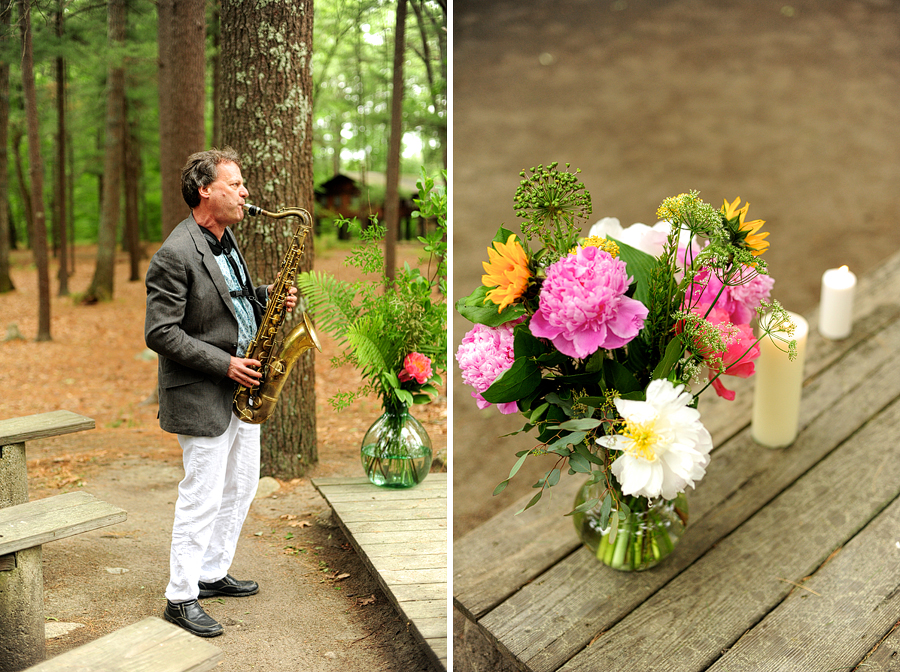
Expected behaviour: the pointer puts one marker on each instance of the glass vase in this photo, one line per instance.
(396, 451)
(645, 536)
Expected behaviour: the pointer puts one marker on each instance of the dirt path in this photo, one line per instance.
(793, 106)
(305, 616)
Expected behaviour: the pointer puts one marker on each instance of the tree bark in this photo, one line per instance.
(392, 195)
(182, 97)
(102, 285)
(267, 117)
(60, 216)
(36, 169)
(132, 162)
(6, 283)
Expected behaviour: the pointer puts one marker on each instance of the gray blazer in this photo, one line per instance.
(192, 325)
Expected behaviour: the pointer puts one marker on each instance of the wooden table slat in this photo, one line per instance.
(151, 645)
(43, 520)
(42, 426)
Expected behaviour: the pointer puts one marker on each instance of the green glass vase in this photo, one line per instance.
(396, 451)
(645, 536)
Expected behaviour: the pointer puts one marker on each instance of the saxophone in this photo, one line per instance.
(255, 405)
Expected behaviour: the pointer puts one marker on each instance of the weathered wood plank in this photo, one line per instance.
(401, 536)
(151, 645)
(885, 656)
(838, 615)
(43, 520)
(561, 611)
(705, 610)
(42, 426)
(392, 526)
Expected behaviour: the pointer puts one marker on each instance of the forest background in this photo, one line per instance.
(102, 102)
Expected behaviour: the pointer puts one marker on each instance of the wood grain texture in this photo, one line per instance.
(42, 426)
(401, 536)
(40, 521)
(151, 645)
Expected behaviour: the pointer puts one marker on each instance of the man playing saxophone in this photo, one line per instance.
(202, 312)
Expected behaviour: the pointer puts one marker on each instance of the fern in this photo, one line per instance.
(330, 302)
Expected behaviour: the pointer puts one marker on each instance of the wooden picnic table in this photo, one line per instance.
(791, 558)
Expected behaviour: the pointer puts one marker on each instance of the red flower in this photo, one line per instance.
(416, 367)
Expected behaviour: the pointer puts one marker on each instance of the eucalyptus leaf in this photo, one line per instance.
(581, 423)
(501, 487)
(534, 500)
(585, 506)
(579, 464)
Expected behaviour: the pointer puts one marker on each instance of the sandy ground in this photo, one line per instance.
(318, 608)
(794, 107)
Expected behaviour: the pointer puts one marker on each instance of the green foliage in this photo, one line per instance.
(379, 322)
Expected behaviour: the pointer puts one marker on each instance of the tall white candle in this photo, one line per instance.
(836, 305)
(776, 398)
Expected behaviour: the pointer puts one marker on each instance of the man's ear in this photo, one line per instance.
(203, 191)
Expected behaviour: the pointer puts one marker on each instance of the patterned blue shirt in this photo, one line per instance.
(242, 307)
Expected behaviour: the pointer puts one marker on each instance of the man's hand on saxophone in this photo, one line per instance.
(290, 301)
(239, 371)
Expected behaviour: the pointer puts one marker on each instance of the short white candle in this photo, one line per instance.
(836, 305)
(776, 398)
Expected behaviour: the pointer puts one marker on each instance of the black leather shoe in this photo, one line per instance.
(191, 617)
(228, 587)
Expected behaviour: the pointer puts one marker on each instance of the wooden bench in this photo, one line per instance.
(151, 645)
(25, 526)
(401, 536)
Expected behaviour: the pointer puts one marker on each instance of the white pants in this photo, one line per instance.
(221, 475)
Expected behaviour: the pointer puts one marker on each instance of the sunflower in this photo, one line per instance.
(507, 272)
(744, 234)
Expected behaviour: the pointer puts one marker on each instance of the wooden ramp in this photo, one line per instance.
(401, 535)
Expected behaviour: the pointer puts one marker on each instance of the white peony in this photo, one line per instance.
(649, 239)
(665, 447)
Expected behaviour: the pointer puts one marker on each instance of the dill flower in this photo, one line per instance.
(687, 211)
(664, 445)
(582, 305)
(743, 234)
(507, 272)
(607, 245)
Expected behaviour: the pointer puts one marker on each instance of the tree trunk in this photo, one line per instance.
(60, 217)
(36, 169)
(131, 160)
(267, 118)
(182, 96)
(101, 288)
(6, 283)
(392, 196)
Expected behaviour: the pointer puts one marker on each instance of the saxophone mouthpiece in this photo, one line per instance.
(252, 210)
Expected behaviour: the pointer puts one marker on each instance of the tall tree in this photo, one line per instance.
(6, 283)
(267, 117)
(60, 188)
(182, 97)
(101, 288)
(392, 195)
(36, 170)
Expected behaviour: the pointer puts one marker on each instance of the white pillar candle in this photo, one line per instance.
(776, 398)
(836, 305)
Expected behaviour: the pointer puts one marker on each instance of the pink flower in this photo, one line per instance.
(738, 338)
(583, 307)
(485, 353)
(416, 367)
(739, 301)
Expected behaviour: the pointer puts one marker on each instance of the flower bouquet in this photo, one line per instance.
(394, 332)
(604, 344)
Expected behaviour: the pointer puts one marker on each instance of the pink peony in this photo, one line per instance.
(583, 307)
(416, 367)
(485, 353)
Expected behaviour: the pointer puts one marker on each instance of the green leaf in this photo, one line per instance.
(474, 309)
(519, 463)
(516, 382)
(639, 265)
(585, 506)
(564, 440)
(579, 464)
(501, 487)
(581, 423)
(585, 452)
(670, 358)
(534, 500)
